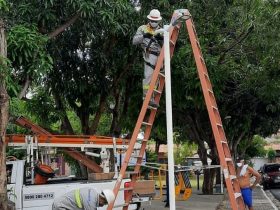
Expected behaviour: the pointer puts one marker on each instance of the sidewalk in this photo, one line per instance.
(197, 201)
(261, 201)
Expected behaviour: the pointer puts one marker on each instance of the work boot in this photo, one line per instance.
(152, 103)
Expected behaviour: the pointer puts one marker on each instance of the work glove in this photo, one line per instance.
(159, 37)
(147, 35)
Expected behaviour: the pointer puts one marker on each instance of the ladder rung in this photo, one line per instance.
(141, 140)
(161, 74)
(232, 177)
(136, 156)
(126, 188)
(172, 42)
(214, 107)
(157, 91)
(224, 142)
(132, 172)
(197, 42)
(151, 107)
(218, 124)
(121, 205)
(236, 195)
(202, 60)
(210, 91)
(228, 159)
(146, 123)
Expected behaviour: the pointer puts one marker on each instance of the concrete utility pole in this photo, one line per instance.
(182, 14)
(169, 123)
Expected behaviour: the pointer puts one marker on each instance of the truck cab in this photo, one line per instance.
(27, 196)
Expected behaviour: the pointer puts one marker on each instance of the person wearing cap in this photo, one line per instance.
(151, 43)
(83, 199)
(244, 173)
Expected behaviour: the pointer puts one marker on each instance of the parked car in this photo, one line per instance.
(270, 175)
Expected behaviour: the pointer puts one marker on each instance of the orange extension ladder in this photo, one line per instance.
(226, 160)
(149, 113)
(156, 88)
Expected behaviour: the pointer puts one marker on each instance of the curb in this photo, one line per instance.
(270, 201)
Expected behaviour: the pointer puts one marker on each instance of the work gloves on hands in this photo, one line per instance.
(159, 37)
(147, 35)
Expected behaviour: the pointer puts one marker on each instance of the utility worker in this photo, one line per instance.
(83, 199)
(244, 173)
(151, 44)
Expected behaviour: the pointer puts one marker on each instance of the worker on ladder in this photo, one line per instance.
(151, 43)
(83, 199)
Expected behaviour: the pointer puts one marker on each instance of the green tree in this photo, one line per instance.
(4, 104)
(94, 66)
(28, 59)
(255, 148)
(271, 154)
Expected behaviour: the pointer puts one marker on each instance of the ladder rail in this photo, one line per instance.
(174, 31)
(156, 75)
(203, 84)
(216, 123)
(213, 112)
(137, 129)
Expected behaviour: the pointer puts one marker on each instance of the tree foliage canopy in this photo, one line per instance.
(79, 60)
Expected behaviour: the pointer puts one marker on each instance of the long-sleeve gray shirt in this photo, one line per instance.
(147, 44)
(89, 199)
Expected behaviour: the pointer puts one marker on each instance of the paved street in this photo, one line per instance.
(275, 193)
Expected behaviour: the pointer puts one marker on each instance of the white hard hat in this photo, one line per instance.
(109, 195)
(154, 15)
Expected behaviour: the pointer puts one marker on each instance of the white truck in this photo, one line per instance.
(40, 197)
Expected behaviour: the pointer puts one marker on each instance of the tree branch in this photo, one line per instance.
(236, 143)
(242, 37)
(63, 26)
(24, 88)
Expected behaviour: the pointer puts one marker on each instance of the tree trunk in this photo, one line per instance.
(209, 174)
(83, 114)
(157, 147)
(66, 126)
(95, 122)
(4, 112)
(208, 183)
(115, 124)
